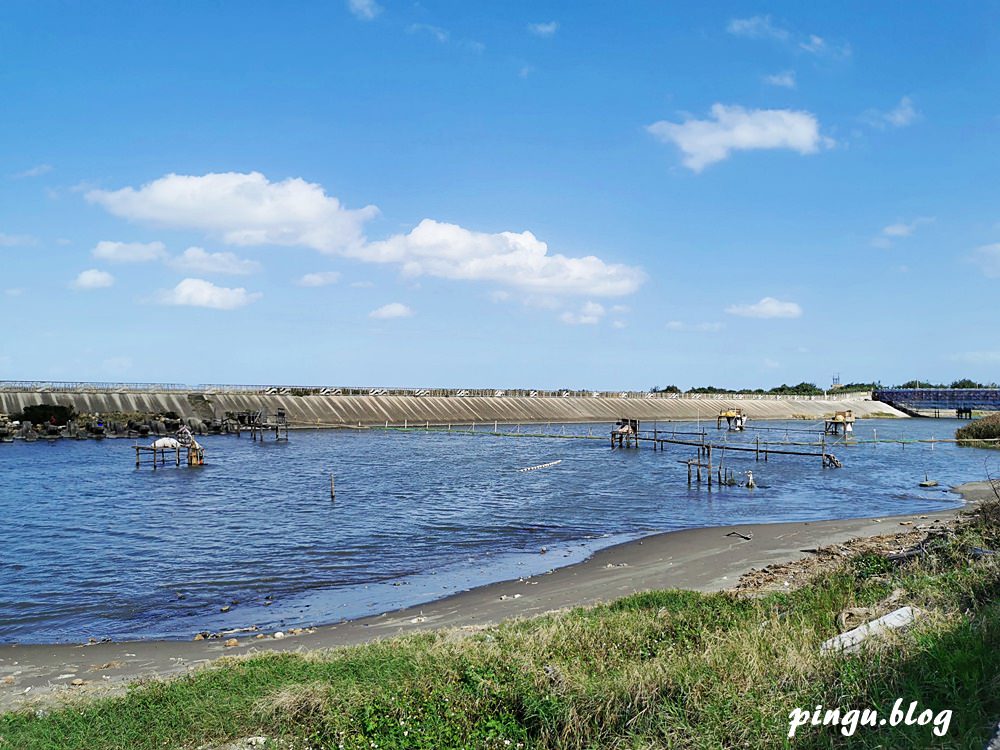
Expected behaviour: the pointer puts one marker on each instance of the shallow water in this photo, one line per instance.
(93, 547)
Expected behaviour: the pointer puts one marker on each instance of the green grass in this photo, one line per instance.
(669, 669)
(975, 434)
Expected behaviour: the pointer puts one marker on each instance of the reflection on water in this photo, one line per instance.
(94, 548)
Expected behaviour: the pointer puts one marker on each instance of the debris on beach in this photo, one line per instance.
(897, 547)
(851, 641)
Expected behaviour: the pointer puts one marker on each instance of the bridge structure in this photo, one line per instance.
(962, 400)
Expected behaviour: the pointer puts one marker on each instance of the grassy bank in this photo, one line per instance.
(982, 433)
(664, 669)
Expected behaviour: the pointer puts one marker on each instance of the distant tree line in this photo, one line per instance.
(963, 383)
(811, 389)
(802, 389)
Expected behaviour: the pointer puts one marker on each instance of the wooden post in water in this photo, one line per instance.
(137, 456)
(333, 491)
(178, 454)
(757, 453)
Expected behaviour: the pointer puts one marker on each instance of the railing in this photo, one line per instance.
(941, 398)
(37, 386)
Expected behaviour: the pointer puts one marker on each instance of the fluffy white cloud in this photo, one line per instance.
(390, 311)
(243, 208)
(987, 258)
(201, 293)
(366, 10)
(769, 307)
(544, 29)
(323, 278)
(903, 114)
(129, 252)
(590, 314)
(677, 325)
(198, 260)
(513, 259)
(785, 79)
(734, 128)
(93, 279)
(247, 209)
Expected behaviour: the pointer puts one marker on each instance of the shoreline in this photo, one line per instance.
(704, 559)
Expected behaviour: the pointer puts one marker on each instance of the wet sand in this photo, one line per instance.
(706, 559)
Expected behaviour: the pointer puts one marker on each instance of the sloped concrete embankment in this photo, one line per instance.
(333, 411)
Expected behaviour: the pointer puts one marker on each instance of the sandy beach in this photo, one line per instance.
(705, 559)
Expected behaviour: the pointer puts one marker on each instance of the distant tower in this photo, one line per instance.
(836, 382)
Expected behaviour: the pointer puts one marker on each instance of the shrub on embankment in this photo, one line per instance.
(977, 432)
(663, 669)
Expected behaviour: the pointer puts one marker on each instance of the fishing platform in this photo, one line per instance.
(628, 433)
(260, 424)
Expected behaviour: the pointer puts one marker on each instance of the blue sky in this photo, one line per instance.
(510, 194)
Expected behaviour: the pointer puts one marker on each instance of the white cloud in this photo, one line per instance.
(13, 292)
(734, 128)
(515, 259)
(16, 240)
(769, 307)
(785, 79)
(129, 252)
(762, 27)
(903, 114)
(425, 28)
(987, 258)
(365, 10)
(677, 325)
(757, 27)
(244, 209)
(201, 293)
(499, 296)
(590, 314)
(619, 324)
(93, 279)
(525, 70)
(899, 230)
(544, 29)
(247, 209)
(390, 311)
(814, 44)
(323, 278)
(902, 229)
(36, 171)
(362, 284)
(197, 260)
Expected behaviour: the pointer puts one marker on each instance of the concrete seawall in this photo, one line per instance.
(332, 411)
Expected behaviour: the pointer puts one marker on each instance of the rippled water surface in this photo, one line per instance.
(93, 547)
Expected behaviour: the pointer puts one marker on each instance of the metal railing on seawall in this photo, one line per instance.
(54, 386)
